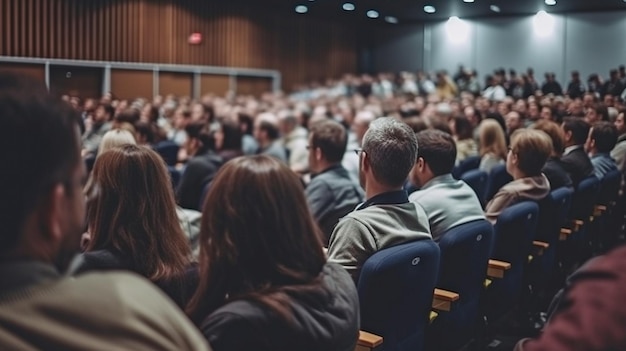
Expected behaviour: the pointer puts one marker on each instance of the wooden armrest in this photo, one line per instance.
(540, 247)
(496, 268)
(443, 299)
(599, 210)
(576, 224)
(367, 341)
(565, 232)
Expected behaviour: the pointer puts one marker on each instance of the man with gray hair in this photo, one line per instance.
(386, 218)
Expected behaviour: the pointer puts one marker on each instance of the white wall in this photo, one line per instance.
(588, 42)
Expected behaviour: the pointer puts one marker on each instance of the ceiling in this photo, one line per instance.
(413, 10)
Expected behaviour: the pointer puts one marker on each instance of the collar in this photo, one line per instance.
(568, 150)
(601, 155)
(22, 274)
(396, 197)
(442, 179)
(334, 167)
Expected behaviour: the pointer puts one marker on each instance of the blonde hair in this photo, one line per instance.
(115, 138)
(492, 139)
(532, 147)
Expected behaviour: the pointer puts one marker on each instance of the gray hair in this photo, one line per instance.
(391, 147)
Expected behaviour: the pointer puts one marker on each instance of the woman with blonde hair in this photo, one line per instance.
(115, 138)
(492, 145)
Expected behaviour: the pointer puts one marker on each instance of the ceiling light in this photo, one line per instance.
(429, 9)
(550, 2)
(302, 9)
(468, 0)
(495, 8)
(391, 19)
(372, 14)
(348, 6)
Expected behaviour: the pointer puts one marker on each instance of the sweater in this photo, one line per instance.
(529, 188)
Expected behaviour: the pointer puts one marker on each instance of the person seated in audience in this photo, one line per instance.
(248, 143)
(575, 160)
(43, 210)
(448, 202)
(228, 140)
(619, 151)
(602, 139)
(513, 122)
(132, 222)
(463, 136)
(360, 125)
(528, 153)
(178, 134)
(146, 133)
(264, 280)
(115, 138)
(492, 145)
(331, 194)
(96, 128)
(294, 138)
(589, 314)
(553, 169)
(267, 135)
(386, 218)
(202, 166)
(597, 113)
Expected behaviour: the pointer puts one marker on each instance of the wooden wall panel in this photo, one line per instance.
(234, 35)
(36, 71)
(130, 84)
(84, 82)
(253, 85)
(212, 84)
(179, 84)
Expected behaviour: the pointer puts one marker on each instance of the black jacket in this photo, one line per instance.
(200, 171)
(325, 321)
(556, 174)
(577, 164)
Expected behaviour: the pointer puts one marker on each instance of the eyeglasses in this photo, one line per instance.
(358, 151)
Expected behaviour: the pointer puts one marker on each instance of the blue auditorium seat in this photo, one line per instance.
(498, 177)
(466, 165)
(169, 151)
(477, 180)
(396, 292)
(174, 176)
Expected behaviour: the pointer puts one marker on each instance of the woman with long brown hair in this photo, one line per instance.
(132, 222)
(265, 283)
(492, 144)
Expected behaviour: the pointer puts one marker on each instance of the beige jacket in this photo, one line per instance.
(530, 188)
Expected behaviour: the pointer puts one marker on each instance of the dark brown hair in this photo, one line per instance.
(132, 211)
(331, 138)
(555, 132)
(605, 136)
(260, 242)
(437, 149)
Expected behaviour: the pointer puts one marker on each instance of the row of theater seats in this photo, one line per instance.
(424, 296)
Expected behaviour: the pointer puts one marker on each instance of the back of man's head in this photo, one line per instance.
(604, 135)
(579, 129)
(391, 147)
(39, 149)
(438, 150)
(331, 138)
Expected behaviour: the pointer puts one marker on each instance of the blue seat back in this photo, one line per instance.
(553, 211)
(396, 291)
(168, 151)
(584, 198)
(477, 180)
(609, 187)
(174, 176)
(466, 165)
(498, 177)
(465, 252)
(514, 232)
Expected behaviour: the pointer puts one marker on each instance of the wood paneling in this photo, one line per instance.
(234, 35)
(179, 84)
(130, 84)
(212, 84)
(253, 85)
(84, 82)
(33, 70)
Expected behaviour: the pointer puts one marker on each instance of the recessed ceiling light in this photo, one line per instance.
(550, 2)
(372, 14)
(348, 6)
(394, 20)
(429, 9)
(494, 8)
(302, 9)
(468, 0)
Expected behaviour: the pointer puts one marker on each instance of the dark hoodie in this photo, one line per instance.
(328, 321)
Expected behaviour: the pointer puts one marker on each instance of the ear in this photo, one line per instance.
(365, 163)
(318, 154)
(50, 218)
(568, 135)
(421, 165)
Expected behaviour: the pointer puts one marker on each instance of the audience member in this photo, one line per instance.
(553, 169)
(202, 166)
(575, 160)
(295, 142)
(492, 145)
(448, 202)
(619, 151)
(387, 217)
(43, 210)
(115, 138)
(513, 122)
(597, 113)
(100, 124)
(265, 283)
(182, 117)
(465, 143)
(360, 125)
(331, 194)
(602, 139)
(228, 140)
(132, 222)
(267, 134)
(527, 155)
